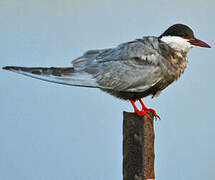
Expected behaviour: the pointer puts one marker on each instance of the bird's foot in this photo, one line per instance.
(148, 110)
(142, 113)
(144, 110)
(153, 111)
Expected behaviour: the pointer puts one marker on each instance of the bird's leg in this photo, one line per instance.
(136, 110)
(144, 108)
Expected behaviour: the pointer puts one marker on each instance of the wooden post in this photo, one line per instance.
(138, 147)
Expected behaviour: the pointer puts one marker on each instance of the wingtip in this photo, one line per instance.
(6, 67)
(9, 68)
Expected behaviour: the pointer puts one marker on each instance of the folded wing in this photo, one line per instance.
(130, 67)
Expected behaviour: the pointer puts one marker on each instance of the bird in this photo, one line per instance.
(130, 70)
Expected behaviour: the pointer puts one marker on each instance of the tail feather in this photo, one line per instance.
(60, 75)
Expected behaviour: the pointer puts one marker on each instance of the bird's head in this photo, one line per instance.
(180, 37)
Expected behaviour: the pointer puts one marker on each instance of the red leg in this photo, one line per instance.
(148, 110)
(142, 104)
(144, 109)
(136, 110)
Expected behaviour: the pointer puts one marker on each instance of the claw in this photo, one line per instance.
(154, 112)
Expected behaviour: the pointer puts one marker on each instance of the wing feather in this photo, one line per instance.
(130, 67)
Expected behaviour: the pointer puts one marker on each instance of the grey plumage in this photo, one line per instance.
(134, 69)
(131, 70)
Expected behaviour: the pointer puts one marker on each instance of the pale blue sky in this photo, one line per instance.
(56, 132)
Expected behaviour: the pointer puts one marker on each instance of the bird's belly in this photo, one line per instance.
(133, 95)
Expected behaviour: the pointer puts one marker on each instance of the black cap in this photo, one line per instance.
(180, 30)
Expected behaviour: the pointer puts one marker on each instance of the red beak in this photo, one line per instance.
(197, 42)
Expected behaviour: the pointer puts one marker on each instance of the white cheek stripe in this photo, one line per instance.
(177, 43)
